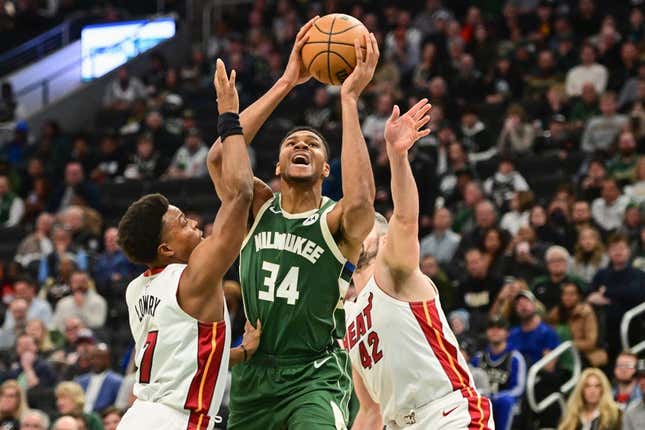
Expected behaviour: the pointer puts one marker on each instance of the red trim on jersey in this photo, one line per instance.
(430, 323)
(211, 341)
(198, 421)
(479, 410)
(154, 271)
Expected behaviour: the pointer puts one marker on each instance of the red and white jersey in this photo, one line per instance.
(181, 362)
(405, 353)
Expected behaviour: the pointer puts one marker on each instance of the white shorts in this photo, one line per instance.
(452, 412)
(149, 415)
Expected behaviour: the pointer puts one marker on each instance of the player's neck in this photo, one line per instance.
(298, 198)
(362, 276)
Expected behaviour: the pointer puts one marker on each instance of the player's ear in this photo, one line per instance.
(163, 250)
(277, 168)
(326, 170)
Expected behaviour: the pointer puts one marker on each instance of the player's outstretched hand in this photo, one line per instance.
(251, 337)
(401, 131)
(296, 73)
(227, 99)
(362, 74)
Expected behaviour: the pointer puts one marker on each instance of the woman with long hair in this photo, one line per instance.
(589, 254)
(493, 245)
(578, 319)
(70, 400)
(590, 406)
(13, 405)
(38, 330)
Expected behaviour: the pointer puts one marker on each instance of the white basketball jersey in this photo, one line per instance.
(406, 353)
(181, 362)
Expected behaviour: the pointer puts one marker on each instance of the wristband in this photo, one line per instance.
(244, 349)
(228, 124)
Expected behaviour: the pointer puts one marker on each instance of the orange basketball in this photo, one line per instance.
(329, 53)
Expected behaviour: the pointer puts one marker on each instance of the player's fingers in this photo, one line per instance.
(359, 51)
(369, 51)
(221, 72)
(375, 45)
(421, 112)
(423, 121)
(305, 28)
(231, 82)
(300, 43)
(258, 325)
(422, 133)
(417, 106)
(395, 113)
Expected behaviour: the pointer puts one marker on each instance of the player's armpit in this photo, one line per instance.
(350, 224)
(261, 194)
(369, 415)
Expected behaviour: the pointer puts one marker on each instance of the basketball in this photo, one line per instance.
(329, 53)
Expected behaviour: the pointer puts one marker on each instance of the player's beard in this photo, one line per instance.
(366, 257)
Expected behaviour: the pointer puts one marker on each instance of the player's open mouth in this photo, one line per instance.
(301, 159)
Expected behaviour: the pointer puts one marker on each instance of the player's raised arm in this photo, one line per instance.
(369, 415)
(401, 251)
(353, 217)
(201, 281)
(253, 117)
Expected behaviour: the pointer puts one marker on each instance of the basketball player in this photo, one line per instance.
(408, 372)
(177, 310)
(296, 263)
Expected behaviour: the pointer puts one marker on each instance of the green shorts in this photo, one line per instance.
(311, 395)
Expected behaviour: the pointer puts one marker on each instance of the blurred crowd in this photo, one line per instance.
(532, 191)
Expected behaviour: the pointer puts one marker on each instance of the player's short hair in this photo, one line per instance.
(381, 224)
(140, 228)
(311, 130)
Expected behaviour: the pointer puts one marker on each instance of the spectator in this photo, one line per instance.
(147, 163)
(102, 385)
(592, 179)
(576, 320)
(9, 332)
(533, 338)
(34, 419)
(35, 374)
(75, 190)
(477, 292)
(485, 218)
(518, 214)
(635, 414)
(58, 286)
(460, 324)
(623, 166)
(123, 91)
(626, 389)
(64, 250)
(10, 109)
(590, 404)
(608, 209)
(374, 124)
(600, 132)
(465, 211)
(37, 244)
(581, 216)
(544, 76)
(517, 134)
(111, 418)
(504, 183)
(84, 303)
(112, 269)
(110, 160)
(321, 115)
(617, 288)
(74, 220)
(476, 137)
(589, 254)
(585, 107)
(67, 422)
(189, 160)
(37, 308)
(493, 246)
(557, 139)
(589, 71)
(38, 330)
(18, 149)
(442, 242)
(12, 208)
(70, 400)
(506, 371)
(636, 191)
(13, 405)
(548, 288)
(430, 267)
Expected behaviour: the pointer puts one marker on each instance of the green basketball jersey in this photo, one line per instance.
(293, 279)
